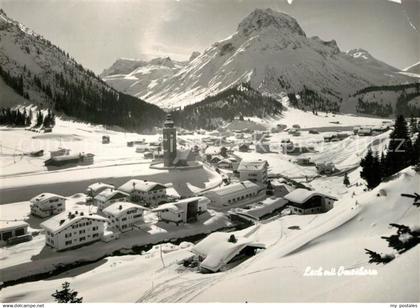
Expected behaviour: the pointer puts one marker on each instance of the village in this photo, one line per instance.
(143, 211)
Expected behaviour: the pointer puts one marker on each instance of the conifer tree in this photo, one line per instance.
(346, 180)
(66, 295)
(371, 170)
(400, 148)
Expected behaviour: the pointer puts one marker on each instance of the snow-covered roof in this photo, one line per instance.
(99, 185)
(45, 196)
(140, 185)
(217, 250)
(234, 188)
(63, 220)
(10, 225)
(108, 194)
(212, 150)
(118, 208)
(252, 165)
(168, 207)
(179, 205)
(301, 195)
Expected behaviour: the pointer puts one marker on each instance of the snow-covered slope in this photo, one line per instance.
(270, 276)
(271, 52)
(415, 68)
(136, 77)
(47, 76)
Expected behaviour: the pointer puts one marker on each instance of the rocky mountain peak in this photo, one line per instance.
(261, 19)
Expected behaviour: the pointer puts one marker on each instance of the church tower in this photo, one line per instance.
(169, 141)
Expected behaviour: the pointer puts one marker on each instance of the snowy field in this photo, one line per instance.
(276, 274)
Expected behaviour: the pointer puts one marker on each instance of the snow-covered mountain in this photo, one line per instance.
(137, 77)
(40, 73)
(271, 52)
(414, 69)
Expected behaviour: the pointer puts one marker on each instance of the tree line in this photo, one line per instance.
(401, 153)
(16, 117)
(236, 102)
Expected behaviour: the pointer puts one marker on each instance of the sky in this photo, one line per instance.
(97, 32)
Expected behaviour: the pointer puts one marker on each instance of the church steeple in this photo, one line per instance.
(169, 141)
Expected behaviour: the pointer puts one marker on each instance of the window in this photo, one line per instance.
(82, 231)
(68, 243)
(124, 219)
(95, 228)
(95, 235)
(19, 231)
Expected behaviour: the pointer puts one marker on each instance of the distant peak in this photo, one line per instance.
(263, 18)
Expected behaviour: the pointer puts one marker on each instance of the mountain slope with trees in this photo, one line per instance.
(240, 101)
(45, 75)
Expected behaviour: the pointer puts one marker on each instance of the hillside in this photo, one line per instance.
(47, 76)
(239, 101)
(271, 52)
(387, 100)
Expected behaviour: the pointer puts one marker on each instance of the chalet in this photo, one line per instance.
(262, 208)
(304, 161)
(59, 152)
(69, 230)
(303, 201)
(47, 204)
(220, 248)
(365, 131)
(124, 215)
(81, 158)
(326, 168)
(96, 188)
(278, 188)
(109, 196)
(11, 230)
(254, 171)
(151, 193)
(182, 211)
(237, 194)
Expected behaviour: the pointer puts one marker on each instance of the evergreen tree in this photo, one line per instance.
(377, 258)
(413, 125)
(371, 170)
(416, 150)
(39, 119)
(346, 180)
(66, 295)
(400, 148)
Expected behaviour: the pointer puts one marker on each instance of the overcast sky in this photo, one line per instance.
(97, 32)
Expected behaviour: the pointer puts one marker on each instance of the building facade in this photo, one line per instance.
(109, 196)
(123, 216)
(235, 195)
(12, 229)
(183, 211)
(254, 171)
(72, 229)
(302, 201)
(47, 204)
(144, 191)
(169, 141)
